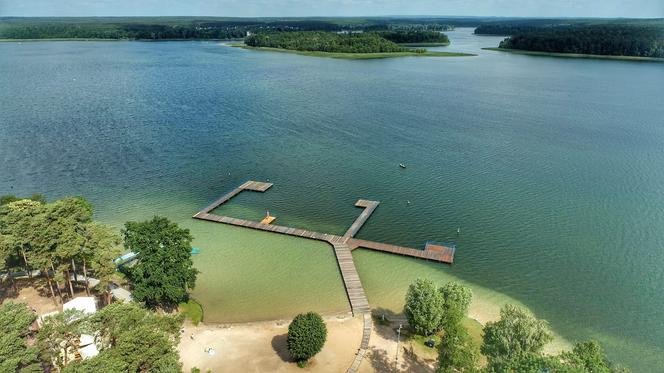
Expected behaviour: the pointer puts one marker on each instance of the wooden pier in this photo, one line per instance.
(343, 247)
(369, 207)
(255, 186)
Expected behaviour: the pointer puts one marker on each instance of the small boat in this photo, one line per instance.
(402, 165)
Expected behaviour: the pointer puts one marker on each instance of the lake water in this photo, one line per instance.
(553, 168)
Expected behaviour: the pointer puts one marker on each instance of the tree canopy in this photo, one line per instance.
(367, 42)
(131, 339)
(164, 271)
(456, 301)
(458, 353)
(615, 40)
(56, 238)
(414, 36)
(517, 333)
(424, 307)
(15, 355)
(306, 336)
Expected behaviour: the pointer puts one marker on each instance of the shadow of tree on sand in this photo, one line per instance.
(280, 346)
(380, 361)
(412, 363)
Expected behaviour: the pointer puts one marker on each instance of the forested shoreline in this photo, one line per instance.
(368, 42)
(610, 40)
(415, 37)
(168, 28)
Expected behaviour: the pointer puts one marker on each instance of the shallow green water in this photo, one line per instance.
(553, 169)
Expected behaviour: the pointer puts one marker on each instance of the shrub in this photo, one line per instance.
(306, 336)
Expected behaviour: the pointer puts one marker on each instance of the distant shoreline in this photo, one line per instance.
(95, 39)
(577, 55)
(353, 56)
(424, 44)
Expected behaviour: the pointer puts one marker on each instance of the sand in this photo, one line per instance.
(261, 347)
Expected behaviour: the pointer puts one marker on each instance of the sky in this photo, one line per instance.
(293, 8)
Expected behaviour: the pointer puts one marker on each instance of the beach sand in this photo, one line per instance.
(261, 347)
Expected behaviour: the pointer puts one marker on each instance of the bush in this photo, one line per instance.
(306, 336)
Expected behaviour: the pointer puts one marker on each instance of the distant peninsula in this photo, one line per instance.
(349, 45)
(627, 40)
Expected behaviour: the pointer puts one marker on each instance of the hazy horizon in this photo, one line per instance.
(335, 8)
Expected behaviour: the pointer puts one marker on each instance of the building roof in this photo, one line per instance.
(84, 304)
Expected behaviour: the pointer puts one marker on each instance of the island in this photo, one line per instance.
(625, 41)
(345, 44)
(415, 38)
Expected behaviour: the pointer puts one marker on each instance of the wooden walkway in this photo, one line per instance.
(364, 345)
(343, 246)
(369, 207)
(255, 186)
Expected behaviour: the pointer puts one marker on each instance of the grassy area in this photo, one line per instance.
(577, 55)
(473, 327)
(192, 311)
(354, 56)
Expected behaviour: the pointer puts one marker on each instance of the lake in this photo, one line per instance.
(552, 168)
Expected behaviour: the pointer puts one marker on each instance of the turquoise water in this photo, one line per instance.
(553, 168)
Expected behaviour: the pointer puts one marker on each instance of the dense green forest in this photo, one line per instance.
(363, 42)
(415, 37)
(514, 26)
(159, 28)
(614, 40)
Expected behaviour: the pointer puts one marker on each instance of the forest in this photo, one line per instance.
(515, 26)
(350, 42)
(614, 40)
(415, 37)
(165, 28)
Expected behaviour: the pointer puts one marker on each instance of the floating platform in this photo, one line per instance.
(446, 250)
(268, 219)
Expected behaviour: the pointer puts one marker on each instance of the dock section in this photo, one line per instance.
(369, 207)
(343, 246)
(255, 186)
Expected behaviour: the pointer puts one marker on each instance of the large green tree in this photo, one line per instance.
(164, 271)
(102, 244)
(458, 353)
(517, 333)
(424, 307)
(306, 336)
(589, 357)
(64, 225)
(456, 301)
(15, 355)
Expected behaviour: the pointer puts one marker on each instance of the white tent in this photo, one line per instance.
(88, 351)
(84, 304)
(86, 339)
